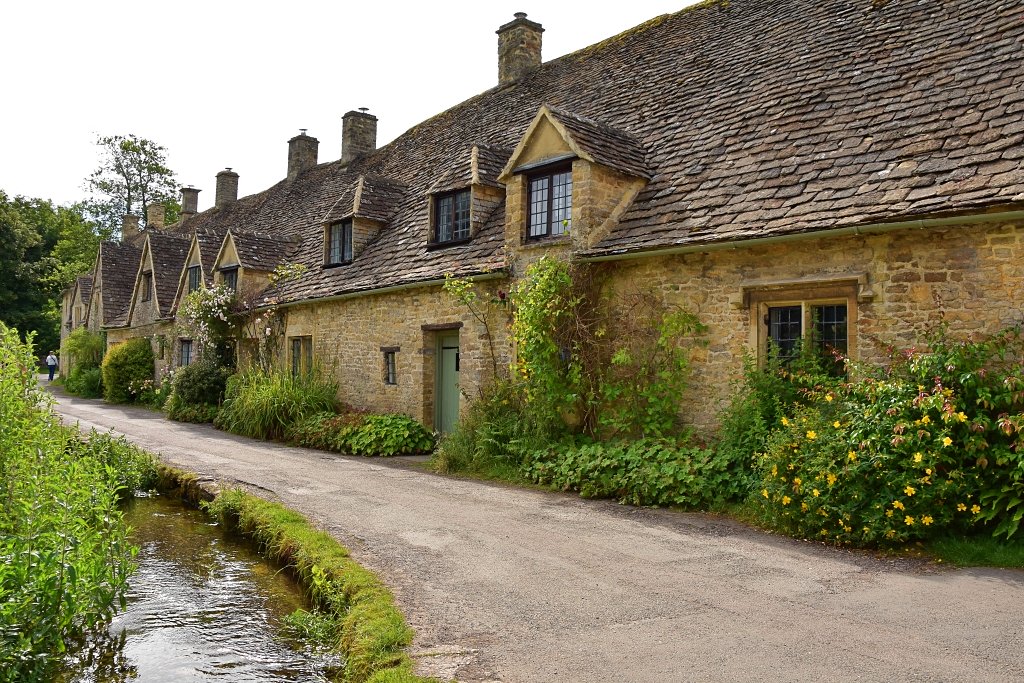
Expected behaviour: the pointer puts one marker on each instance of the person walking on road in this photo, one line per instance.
(51, 363)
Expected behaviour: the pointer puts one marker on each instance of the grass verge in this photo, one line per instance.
(979, 551)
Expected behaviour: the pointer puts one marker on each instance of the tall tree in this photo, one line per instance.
(133, 174)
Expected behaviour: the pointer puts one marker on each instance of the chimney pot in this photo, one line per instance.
(189, 202)
(519, 45)
(302, 154)
(358, 134)
(155, 215)
(227, 188)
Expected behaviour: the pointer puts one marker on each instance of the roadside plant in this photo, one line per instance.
(265, 404)
(198, 389)
(361, 433)
(126, 364)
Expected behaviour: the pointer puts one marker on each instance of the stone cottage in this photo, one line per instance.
(847, 168)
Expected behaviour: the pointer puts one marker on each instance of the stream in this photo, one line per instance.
(202, 606)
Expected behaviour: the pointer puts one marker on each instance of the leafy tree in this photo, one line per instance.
(132, 175)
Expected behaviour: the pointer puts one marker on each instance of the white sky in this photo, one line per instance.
(225, 83)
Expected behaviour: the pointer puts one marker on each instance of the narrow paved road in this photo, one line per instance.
(521, 586)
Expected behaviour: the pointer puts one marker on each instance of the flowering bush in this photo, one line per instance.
(204, 315)
(152, 391)
(926, 446)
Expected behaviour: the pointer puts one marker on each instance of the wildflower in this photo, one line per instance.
(917, 457)
(812, 435)
(803, 506)
(926, 520)
(925, 419)
(910, 490)
(961, 507)
(961, 416)
(888, 513)
(764, 492)
(897, 504)
(909, 520)
(975, 509)
(852, 456)
(828, 397)
(946, 441)
(928, 471)
(836, 424)
(831, 478)
(786, 500)
(815, 493)
(785, 422)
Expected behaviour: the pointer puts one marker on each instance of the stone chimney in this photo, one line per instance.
(302, 153)
(358, 135)
(130, 232)
(189, 202)
(155, 215)
(518, 48)
(227, 188)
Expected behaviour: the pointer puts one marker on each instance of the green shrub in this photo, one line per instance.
(264, 405)
(84, 348)
(125, 364)
(198, 390)
(644, 472)
(151, 392)
(920, 449)
(84, 382)
(362, 433)
(64, 553)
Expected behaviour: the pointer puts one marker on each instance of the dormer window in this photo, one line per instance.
(230, 278)
(550, 202)
(452, 216)
(194, 278)
(147, 286)
(339, 243)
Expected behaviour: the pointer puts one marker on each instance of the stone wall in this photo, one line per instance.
(898, 284)
(349, 335)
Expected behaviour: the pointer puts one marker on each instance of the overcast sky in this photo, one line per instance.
(223, 83)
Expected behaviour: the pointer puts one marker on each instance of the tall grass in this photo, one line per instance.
(264, 405)
(64, 553)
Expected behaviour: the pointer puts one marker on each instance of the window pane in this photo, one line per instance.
(296, 355)
(231, 279)
(539, 206)
(186, 352)
(334, 255)
(561, 200)
(462, 215)
(193, 279)
(444, 218)
(346, 238)
(784, 329)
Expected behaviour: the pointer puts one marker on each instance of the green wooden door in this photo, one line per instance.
(447, 405)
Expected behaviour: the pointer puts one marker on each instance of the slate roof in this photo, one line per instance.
(210, 240)
(262, 251)
(84, 284)
(489, 162)
(168, 252)
(119, 264)
(755, 118)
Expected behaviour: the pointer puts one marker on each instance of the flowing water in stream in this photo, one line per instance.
(201, 607)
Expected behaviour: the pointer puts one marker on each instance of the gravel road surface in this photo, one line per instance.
(502, 584)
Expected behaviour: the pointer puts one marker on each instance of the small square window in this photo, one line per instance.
(550, 202)
(452, 216)
(390, 367)
(194, 278)
(339, 243)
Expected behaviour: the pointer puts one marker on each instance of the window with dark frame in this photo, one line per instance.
(451, 216)
(147, 286)
(301, 355)
(550, 202)
(186, 352)
(194, 278)
(230, 277)
(390, 367)
(339, 243)
(828, 332)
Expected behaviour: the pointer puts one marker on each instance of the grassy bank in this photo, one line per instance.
(356, 614)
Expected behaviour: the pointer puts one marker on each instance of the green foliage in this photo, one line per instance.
(197, 390)
(923, 448)
(64, 553)
(132, 175)
(85, 348)
(124, 365)
(493, 435)
(362, 433)
(87, 383)
(265, 404)
(978, 551)
(373, 633)
(644, 472)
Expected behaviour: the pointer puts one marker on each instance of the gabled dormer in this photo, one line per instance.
(569, 179)
(247, 259)
(461, 200)
(357, 217)
(156, 278)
